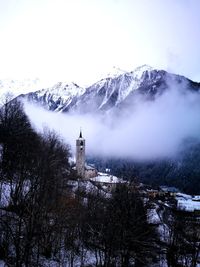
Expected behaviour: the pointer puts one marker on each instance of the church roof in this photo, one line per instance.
(107, 179)
(88, 167)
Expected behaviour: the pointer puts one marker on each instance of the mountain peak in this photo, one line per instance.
(115, 72)
(144, 67)
(141, 69)
(113, 92)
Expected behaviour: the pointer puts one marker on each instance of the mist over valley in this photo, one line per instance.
(147, 119)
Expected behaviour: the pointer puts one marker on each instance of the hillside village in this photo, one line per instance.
(107, 182)
(162, 203)
(85, 201)
(125, 191)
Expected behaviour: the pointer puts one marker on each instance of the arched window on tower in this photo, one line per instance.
(81, 145)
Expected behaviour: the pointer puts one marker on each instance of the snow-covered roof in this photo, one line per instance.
(170, 189)
(188, 205)
(183, 196)
(105, 178)
(88, 167)
(196, 198)
(103, 174)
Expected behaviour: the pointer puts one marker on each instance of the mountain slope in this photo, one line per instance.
(119, 91)
(115, 91)
(55, 98)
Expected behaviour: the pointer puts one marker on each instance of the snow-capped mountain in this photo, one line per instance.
(57, 97)
(16, 87)
(115, 91)
(120, 90)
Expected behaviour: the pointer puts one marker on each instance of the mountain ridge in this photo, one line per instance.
(114, 91)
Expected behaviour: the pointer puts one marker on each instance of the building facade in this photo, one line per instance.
(80, 156)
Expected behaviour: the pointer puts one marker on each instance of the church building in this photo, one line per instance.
(84, 171)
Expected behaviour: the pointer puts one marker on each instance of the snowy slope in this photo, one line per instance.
(111, 91)
(56, 98)
(115, 91)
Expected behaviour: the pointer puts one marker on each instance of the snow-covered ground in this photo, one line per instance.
(106, 178)
(188, 205)
(187, 202)
(5, 190)
(153, 216)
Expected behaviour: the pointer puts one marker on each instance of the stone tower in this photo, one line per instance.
(80, 156)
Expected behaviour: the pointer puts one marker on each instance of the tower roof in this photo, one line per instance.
(80, 136)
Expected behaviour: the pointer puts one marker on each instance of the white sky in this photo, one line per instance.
(79, 40)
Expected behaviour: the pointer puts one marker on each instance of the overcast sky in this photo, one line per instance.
(81, 40)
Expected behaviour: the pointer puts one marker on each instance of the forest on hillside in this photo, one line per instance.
(43, 224)
(183, 171)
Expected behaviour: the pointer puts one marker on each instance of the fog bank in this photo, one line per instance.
(150, 130)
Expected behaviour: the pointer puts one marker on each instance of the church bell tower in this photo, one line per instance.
(80, 156)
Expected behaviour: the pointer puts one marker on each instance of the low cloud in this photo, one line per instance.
(153, 129)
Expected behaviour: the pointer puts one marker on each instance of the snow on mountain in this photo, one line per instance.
(136, 79)
(57, 97)
(16, 87)
(115, 72)
(138, 72)
(116, 90)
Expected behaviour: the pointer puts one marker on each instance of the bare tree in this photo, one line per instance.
(34, 167)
